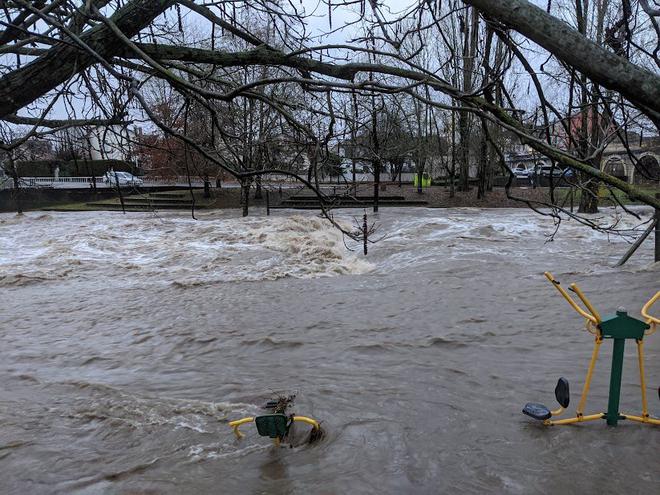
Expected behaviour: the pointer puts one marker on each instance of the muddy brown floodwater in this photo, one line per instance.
(129, 341)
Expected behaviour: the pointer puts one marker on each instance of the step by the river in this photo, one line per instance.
(146, 206)
(312, 202)
(155, 201)
(312, 197)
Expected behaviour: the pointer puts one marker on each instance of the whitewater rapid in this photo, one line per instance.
(222, 247)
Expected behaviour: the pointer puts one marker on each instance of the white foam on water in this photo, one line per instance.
(179, 250)
(435, 236)
(219, 248)
(190, 425)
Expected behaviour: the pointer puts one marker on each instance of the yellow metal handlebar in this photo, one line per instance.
(587, 303)
(237, 423)
(651, 320)
(309, 421)
(647, 307)
(594, 317)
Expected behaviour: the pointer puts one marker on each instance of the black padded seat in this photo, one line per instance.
(271, 425)
(537, 411)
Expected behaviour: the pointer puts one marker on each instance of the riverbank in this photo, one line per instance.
(230, 197)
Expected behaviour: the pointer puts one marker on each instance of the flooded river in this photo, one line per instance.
(129, 341)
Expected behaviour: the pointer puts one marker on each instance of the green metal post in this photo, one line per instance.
(615, 382)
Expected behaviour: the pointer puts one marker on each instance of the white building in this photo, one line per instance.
(110, 143)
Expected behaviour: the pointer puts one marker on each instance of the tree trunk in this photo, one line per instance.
(376, 184)
(589, 130)
(464, 164)
(589, 197)
(376, 153)
(207, 187)
(483, 164)
(17, 195)
(257, 188)
(245, 197)
(452, 170)
(470, 42)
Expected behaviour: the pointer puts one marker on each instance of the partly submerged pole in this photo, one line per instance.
(640, 240)
(121, 196)
(657, 231)
(365, 233)
(657, 236)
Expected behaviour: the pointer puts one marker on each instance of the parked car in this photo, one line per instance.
(123, 178)
(547, 170)
(556, 172)
(560, 177)
(521, 172)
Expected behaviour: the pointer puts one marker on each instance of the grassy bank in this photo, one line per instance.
(434, 196)
(607, 197)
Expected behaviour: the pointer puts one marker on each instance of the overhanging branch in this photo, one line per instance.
(25, 84)
(638, 85)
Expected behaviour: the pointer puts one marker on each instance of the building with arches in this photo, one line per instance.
(640, 164)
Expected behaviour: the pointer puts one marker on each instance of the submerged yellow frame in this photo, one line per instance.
(237, 423)
(593, 319)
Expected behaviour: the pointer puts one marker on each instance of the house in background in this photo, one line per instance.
(646, 150)
(111, 143)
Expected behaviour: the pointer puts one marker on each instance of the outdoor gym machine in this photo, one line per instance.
(278, 424)
(618, 327)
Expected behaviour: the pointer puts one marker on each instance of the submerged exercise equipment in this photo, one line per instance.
(618, 327)
(277, 424)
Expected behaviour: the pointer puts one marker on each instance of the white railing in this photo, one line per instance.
(50, 180)
(63, 182)
(7, 183)
(173, 181)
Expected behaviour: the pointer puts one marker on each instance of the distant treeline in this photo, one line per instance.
(74, 168)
